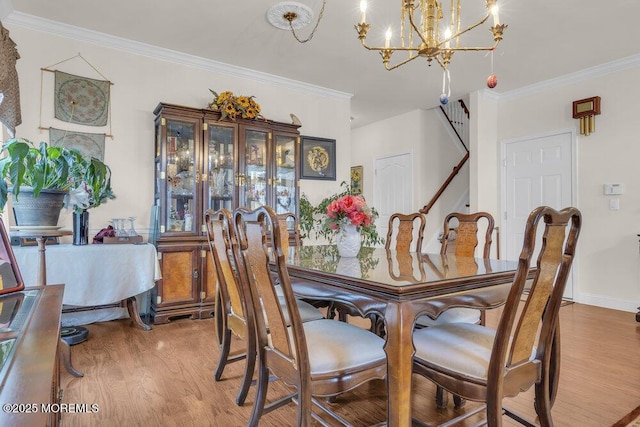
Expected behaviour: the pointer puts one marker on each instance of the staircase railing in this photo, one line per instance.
(457, 115)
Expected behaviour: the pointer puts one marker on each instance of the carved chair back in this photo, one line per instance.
(403, 228)
(464, 236)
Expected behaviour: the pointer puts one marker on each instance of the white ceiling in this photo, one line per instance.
(545, 39)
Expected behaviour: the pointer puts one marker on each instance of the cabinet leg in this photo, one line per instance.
(65, 355)
(134, 314)
(638, 315)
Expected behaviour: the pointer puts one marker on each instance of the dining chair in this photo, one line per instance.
(233, 312)
(320, 358)
(460, 237)
(233, 315)
(405, 233)
(483, 364)
(402, 230)
(462, 240)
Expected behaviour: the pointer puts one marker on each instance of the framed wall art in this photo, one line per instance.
(317, 158)
(356, 180)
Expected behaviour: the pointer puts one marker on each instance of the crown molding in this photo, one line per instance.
(142, 49)
(572, 78)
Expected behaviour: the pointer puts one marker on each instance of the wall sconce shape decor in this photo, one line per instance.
(586, 110)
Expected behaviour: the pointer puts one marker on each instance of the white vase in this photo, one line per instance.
(349, 266)
(348, 241)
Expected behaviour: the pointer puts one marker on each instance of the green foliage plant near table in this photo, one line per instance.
(42, 168)
(48, 167)
(91, 185)
(313, 219)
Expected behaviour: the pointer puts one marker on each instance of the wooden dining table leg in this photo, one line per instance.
(399, 319)
(64, 351)
(134, 314)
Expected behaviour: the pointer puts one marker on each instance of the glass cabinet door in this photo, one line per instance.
(180, 177)
(255, 170)
(220, 163)
(285, 174)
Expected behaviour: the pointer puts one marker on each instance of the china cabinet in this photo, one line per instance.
(202, 162)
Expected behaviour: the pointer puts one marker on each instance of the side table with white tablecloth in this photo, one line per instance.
(94, 275)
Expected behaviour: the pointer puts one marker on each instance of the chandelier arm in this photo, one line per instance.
(475, 48)
(458, 34)
(399, 64)
(393, 49)
(415, 27)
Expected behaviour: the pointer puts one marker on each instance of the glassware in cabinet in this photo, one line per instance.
(285, 180)
(255, 172)
(181, 176)
(220, 163)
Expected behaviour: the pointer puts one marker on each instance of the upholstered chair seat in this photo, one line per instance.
(464, 348)
(308, 312)
(340, 347)
(452, 315)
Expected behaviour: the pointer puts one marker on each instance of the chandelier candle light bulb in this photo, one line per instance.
(447, 36)
(387, 38)
(363, 11)
(494, 11)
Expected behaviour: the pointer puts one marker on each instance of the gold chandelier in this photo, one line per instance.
(425, 32)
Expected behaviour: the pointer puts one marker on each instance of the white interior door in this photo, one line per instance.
(538, 171)
(393, 188)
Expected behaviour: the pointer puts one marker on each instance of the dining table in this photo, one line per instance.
(399, 287)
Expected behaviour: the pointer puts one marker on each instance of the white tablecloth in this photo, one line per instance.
(93, 275)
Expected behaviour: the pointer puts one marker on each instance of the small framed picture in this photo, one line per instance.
(356, 180)
(317, 158)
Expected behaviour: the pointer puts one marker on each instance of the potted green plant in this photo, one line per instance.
(40, 174)
(91, 187)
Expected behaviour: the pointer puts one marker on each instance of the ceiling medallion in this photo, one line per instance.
(289, 14)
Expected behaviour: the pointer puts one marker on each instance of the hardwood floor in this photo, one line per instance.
(165, 377)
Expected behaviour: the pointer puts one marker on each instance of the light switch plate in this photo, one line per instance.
(612, 189)
(614, 204)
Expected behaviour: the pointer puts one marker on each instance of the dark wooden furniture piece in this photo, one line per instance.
(319, 358)
(401, 231)
(203, 162)
(487, 365)
(460, 236)
(31, 374)
(638, 313)
(233, 317)
(234, 312)
(374, 290)
(464, 235)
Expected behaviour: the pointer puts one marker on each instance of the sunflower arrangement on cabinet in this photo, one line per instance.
(231, 106)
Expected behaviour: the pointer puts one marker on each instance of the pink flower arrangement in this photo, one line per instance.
(350, 210)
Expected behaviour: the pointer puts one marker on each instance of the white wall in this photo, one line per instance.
(424, 135)
(607, 260)
(143, 76)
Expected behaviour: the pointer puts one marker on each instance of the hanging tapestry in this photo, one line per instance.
(10, 113)
(89, 144)
(81, 100)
